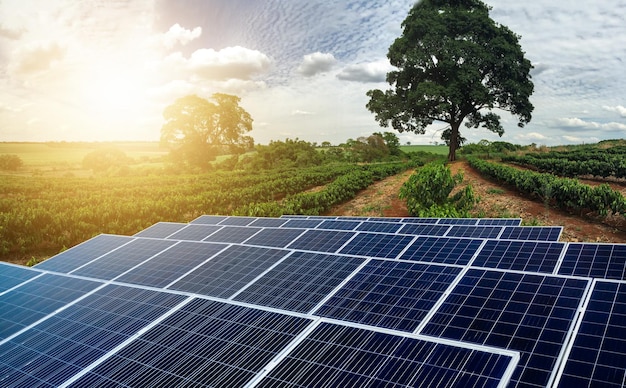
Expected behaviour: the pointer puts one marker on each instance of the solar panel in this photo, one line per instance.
(321, 240)
(474, 231)
(384, 227)
(597, 357)
(300, 282)
(269, 222)
(161, 230)
(540, 233)
(194, 232)
(377, 245)
(457, 251)
(229, 271)
(500, 221)
(339, 225)
(205, 343)
(603, 261)
(82, 254)
(301, 223)
(340, 356)
(457, 221)
(520, 255)
(237, 221)
(49, 353)
(12, 275)
(232, 234)
(209, 220)
(390, 294)
(424, 230)
(278, 238)
(529, 313)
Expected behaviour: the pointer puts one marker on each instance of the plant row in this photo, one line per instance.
(601, 165)
(565, 193)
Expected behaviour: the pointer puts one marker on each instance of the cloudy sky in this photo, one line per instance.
(105, 69)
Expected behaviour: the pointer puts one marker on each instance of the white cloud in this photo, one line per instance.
(577, 124)
(36, 57)
(531, 136)
(298, 112)
(620, 110)
(366, 72)
(177, 34)
(316, 63)
(231, 62)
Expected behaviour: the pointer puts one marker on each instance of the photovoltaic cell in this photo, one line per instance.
(419, 220)
(300, 223)
(377, 245)
(424, 230)
(340, 356)
(458, 221)
(171, 264)
(232, 234)
(381, 227)
(529, 256)
(194, 232)
(300, 282)
(442, 250)
(82, 254)
(338, 225)
(269, 222)
(390, 294)
(12, 275)
(121, 260)
(34, 300)
(274, 237)
(161, 230)
(209, 220)
(597, 357)
(474, 231)
(543, 233)
(229, 271)
(385, 219)
(500, 221)
(57, 348)
(603, 261)
(528, 313)
(321, 240)
(237, 221)
(205, 343)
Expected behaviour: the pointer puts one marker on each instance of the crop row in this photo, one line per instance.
(603, 166)
(565, 193)
(42, 215)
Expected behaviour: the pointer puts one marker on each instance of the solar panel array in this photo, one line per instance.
(303, 301)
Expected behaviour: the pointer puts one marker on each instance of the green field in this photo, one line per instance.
(435, 149)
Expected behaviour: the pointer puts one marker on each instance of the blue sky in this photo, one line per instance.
(105, 69)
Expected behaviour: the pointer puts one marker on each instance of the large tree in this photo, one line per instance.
(454, 63)
(197, 130)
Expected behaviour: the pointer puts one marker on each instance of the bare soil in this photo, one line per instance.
(381, 200)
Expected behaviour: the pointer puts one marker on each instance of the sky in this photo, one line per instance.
(104, 70)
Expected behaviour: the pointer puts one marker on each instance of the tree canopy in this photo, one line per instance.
(454, 63)
(197, 130)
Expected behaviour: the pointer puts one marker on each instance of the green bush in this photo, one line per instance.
(10, 162)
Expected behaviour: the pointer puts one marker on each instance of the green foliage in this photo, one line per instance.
(485, 147)
(108, 159)
(454, 63)
(427, 193)
(565, 193)
(10, 162)
(284, 154)
(197, 130)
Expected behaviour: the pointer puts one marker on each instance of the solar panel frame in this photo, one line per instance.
(321, 240)
(444, 250)
(339, 224)
(237, 221)
(232, 234)
(209, 219)
(424, 229)
(377, 245)
(380, 227)
(160, 230)
(536, 233)
(194, 232)
(602, 261)
(301, 223)
(12, 276)
(474, 231)
(274, 237)
(500, 221)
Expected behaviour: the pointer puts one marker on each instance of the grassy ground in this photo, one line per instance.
(435, 149)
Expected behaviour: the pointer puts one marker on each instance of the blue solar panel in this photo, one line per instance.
(269, 222)
(474, 231)
(195, 232)
(171, 264)
(299, 223)
(321, 240)
(278, 238)
(229, 271)
(205, 343)
(238, 221)
(300, 282)
(377, 245)
(386, 219)
(121, 260)
(536, 233)
(232, 234)
(34, 300)
(604, 261)
(597, 357)
(382, 227)
(529, 256)
(82, 254)
(500, 221)
(12, 275)
(340, 356)
(528, 313)
(54, 350)
(390, 294)
(418, 220)
(209, 220)
(161, 230)
(424, 230)
(458, 221)
(338, 225)
(442, 250)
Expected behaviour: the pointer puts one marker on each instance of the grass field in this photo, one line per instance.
(435, 149)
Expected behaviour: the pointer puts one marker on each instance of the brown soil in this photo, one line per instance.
(381, 200)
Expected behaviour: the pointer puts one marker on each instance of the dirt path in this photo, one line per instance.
(381, 199)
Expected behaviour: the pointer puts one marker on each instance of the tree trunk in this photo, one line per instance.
(454, 141)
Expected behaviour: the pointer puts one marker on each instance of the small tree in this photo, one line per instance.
(454, 63)
(108, 159)
(197, 130)
(10, 162)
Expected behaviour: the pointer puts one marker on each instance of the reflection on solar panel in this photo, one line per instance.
(604, 261)
(520, 255)
(319, 301)
(390, 294)
(442, 250)
(528, 313)
(597, 356)
(340, 356)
